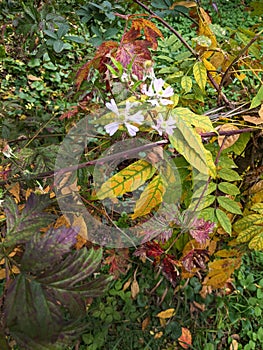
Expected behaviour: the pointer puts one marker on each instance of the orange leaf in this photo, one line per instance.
(145, 323)
(186, 338)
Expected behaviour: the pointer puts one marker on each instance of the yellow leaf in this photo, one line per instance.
(187, 4)
(158, 335)
(166, 313)
(220, 271)
(217, 59)
(204, 29)
(249, 233)
(200, 74)
(241, 76)
(212, 70)
(186, 338)
(150, 198)
(228, 140)
(2, 274)
(15, 191)
(127, 180)
(256, 243)
(234, 345)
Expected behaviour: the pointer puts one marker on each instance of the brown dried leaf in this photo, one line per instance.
(228, 140)
(135, 289)
(254, 120)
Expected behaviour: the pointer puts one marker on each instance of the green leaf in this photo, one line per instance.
(208, 214)
(258, 99)
(228, 188)
(118, 65)
(229, 175)
(75, 39)
(200, 74)
(229, 204)
(202, 203)
(186, 83)
(239, 146)
(58, 46)
(62, 30)
(224, 220)
(127, 180)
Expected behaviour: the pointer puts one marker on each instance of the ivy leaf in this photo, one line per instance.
(22, 225)
(150, 198)
(224, 220)
(229, 204)
(127, 180)
(200, 74)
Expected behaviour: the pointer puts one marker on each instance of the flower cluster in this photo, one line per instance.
(124, 118)
(158, 96)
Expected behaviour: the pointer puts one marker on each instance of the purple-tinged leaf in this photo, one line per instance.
(22, 225)
(46, 250)
(201, 229)
(74, 269)
(196, 258)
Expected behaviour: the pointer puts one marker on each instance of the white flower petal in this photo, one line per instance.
(113, 107)
(165, 102)
(131, 129)
(112, 128)
(154, 102)
(137, 117)
(158, 85)
(168, 92)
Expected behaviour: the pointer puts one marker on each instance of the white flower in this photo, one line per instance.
(160, 95)
(166, 126)
(123, 118)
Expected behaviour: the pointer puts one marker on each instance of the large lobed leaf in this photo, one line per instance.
(22, 225)
(45, 304)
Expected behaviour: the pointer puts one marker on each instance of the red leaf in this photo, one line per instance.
(74, 110)
(186, 338)
(151, 32)
(98, 62)
(118, 261)
(137, 52)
